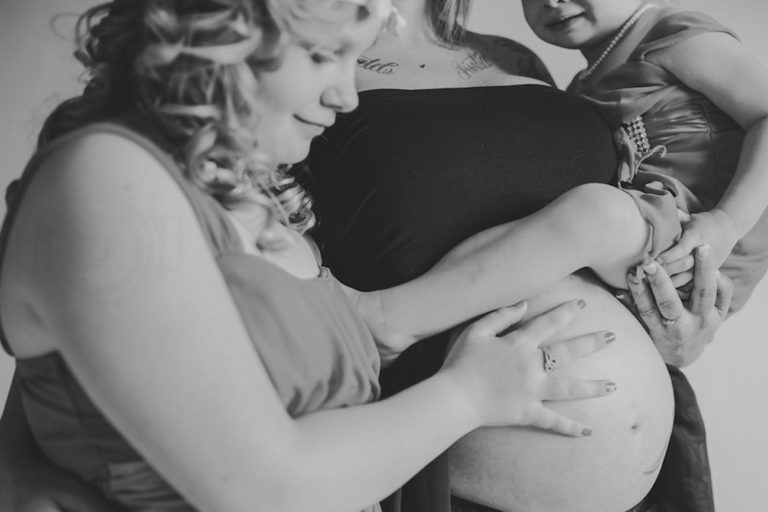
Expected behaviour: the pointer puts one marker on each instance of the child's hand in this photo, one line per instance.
(714, 228)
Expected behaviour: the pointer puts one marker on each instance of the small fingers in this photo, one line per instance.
(678, 266)
(574, 389)
(499, 320)
(548, 419)
(572, 349)
(543, 326)
(684, 247)
(682, 279)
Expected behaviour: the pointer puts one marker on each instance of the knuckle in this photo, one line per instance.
(706, 292)
(667, 304)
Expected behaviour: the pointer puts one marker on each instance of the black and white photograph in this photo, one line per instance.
(383, 256)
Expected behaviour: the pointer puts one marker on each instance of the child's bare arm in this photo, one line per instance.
(721, 68)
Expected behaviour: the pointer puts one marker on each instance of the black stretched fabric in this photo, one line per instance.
(411, 173)
(685, 482)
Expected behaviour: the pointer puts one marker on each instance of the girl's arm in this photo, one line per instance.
(594, 225)
(721, 68)
(189, 390)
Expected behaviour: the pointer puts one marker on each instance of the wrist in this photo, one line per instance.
(389, 335)
(731, 222)
(465, 410)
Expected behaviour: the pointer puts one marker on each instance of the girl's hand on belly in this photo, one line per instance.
(505, 374)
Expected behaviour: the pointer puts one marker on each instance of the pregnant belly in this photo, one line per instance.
(527, 470)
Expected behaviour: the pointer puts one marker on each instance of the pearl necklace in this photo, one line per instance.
(586, 73)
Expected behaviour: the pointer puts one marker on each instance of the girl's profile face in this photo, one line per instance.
(316, 80)
(577, 24)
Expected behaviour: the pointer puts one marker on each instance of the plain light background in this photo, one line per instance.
(730, 379)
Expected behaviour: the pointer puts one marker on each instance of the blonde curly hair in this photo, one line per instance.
(190, 66)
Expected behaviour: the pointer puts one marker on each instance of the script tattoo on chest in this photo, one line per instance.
(471, 65)
(377, 65)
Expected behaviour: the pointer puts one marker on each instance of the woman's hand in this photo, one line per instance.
(506, 374)
(681, 329)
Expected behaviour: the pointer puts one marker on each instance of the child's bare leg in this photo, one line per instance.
(595, 225)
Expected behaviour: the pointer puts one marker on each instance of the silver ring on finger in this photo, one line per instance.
(668, 322)
(550, 362)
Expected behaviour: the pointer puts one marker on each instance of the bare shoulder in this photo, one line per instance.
(101, 172)
(87, 224)
(509, 55)
(91, 211)
(101, 157)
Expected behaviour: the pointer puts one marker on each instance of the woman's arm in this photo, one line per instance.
(594, 225)
(190, 392)
(722, 69)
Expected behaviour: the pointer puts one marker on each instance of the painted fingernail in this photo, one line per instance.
(586, 432)
(703, 250)
(622, 296)
(581, 303)
(610, 337)
(650, 268)
(610, 387)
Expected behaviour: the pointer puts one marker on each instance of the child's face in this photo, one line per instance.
(577, 24)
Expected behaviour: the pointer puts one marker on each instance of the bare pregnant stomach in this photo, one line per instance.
(527, 470)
